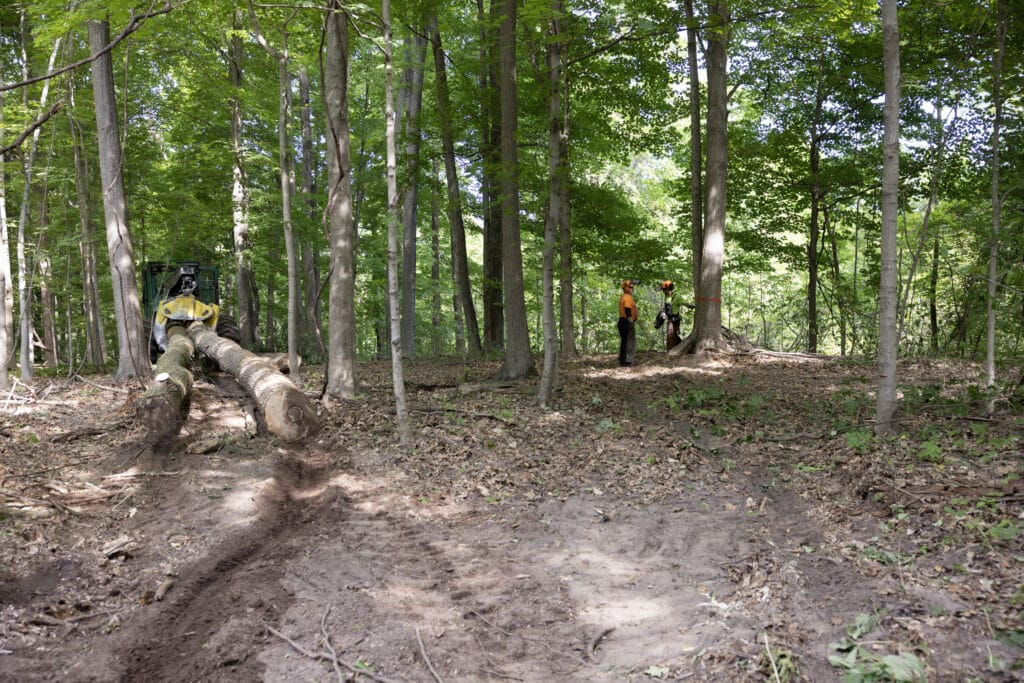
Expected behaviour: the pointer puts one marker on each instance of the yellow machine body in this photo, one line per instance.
(184, 308)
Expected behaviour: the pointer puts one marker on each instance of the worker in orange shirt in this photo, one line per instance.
(628, 316)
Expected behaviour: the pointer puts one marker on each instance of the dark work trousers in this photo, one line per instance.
(627, 341)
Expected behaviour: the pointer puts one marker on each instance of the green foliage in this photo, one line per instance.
(862, 665)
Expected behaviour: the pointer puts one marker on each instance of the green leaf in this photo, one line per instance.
(904, 668)
(862, 625)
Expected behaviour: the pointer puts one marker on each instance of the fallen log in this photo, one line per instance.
(285, 410)
(165, 405)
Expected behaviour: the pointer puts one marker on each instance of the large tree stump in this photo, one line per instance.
(285, 410)
(165, 405)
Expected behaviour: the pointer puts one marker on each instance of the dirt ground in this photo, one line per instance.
(703, 519)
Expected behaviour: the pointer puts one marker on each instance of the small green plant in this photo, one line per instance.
(859, 440)
(607, 425)
(930, 451)
(863, 665)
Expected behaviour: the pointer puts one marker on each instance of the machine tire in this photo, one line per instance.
(228, 328)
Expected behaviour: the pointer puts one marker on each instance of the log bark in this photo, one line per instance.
(165, 405)
(285, 410)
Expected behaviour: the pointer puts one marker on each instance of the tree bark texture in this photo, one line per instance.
(312, 343)
(5, 256)
(888, 343)
(556, 177)
(410, 194)
(341, 373)
(164, 407)
(95, 343)
(993, 250)
(490, 145)
(460, 261)
(518, 361)
(245, 282)
(397, 372)
(696, 154)
(285, 410)
(708, 316)
(133, 351)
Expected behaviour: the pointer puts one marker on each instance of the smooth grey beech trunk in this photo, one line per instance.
(133, 352)
(518, 361)
(888, 342)
(341, 374)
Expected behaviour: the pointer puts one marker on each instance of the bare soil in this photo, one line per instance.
(713, 518)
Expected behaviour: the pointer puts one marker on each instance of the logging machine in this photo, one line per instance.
(180, 292)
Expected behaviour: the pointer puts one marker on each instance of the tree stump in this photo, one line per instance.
(285, 410)
(165, 405)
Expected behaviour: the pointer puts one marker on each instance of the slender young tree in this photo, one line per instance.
(696, 153)
(24, 290)
(397, 373)
(993, 249)
(460, 262)
(95, 344)
(556, 178)
(490, 151)
(413, 103)
(282, 58)
(341, 372)
(888, 342)
(133, 352)
(245, 281)
(312, 339)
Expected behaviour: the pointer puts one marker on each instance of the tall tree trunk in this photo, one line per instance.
(707, 334)
(435, 265)
(933, 288)
(460, 262)
(409, 199)
(888, 342)
(133, 351)
(341, 374)
(696, 155)
(245, 281)
(556, 178)
(5, 380)
(24, 288)
(518, 361)
(312, 339)
(933, 193)
(993, 249)
(5, 263)
(47, 300)
(284, 165)
(95, 343)
(397, 373)
(566, 317)
(490, 130)
(815, 223)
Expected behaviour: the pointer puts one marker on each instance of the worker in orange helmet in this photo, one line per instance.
(628, 315)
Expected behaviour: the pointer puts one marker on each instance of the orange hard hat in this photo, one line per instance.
(667, 284)
(627, 284)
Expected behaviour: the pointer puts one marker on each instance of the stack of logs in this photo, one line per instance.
(285, 410)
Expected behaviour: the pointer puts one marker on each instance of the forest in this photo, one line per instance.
(424, 214)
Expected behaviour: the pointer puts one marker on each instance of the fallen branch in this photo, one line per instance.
(327, 657)
(596, 641)
(165, 405)
(423, 653)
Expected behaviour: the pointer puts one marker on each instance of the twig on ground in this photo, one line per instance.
(100, 386)
(423, 652)
(596, 641)
(330, 648)
(526, 638)
(327, 657)
(768, 651)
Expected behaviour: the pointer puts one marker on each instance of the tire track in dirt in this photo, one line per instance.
(211, 627)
